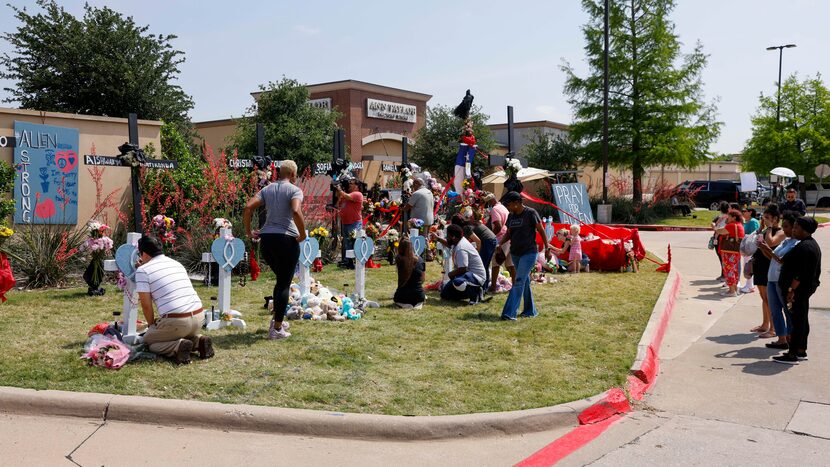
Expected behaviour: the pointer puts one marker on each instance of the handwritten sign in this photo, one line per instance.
(46, 174)
(573, 198)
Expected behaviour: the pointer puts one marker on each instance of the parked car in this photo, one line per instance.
(709, 194)
(817, 194)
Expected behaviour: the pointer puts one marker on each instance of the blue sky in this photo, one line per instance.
(508, 53)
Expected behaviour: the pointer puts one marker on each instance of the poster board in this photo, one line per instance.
(572, 198)
(46, 176)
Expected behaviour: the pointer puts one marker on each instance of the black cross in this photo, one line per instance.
(132, 156)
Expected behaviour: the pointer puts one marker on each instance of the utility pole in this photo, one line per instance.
(605, 109)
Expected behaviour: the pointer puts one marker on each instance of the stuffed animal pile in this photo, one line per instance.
(321, 304)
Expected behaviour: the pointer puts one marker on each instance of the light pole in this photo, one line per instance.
(780, 60)
(605, 108)
(778, 105)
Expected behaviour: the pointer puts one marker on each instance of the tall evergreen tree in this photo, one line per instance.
(801, 140)
(102, 64)
(656, 110)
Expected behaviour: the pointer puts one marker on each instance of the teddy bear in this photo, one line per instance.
(294, 294)
(294, 312)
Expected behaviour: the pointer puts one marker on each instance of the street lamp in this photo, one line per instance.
(780, 59)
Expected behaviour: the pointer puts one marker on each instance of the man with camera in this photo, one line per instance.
(351, 209)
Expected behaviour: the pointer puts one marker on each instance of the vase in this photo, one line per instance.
(94, 275)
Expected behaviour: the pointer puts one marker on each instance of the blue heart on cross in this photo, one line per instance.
(309, 249)
(125, 258)
(227, 253)
(419, 244)
(364, 248)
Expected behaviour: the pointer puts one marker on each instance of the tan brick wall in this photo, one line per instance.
(104, 134)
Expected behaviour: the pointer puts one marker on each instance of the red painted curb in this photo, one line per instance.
(650, 367)
(824, 224)
(662, 228)
(571, 442)
(614, 403)
(594, 420)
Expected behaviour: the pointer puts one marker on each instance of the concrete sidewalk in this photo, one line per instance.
(720, 399)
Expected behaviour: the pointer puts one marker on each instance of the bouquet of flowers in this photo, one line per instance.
(511, 169)
(5, 234)
(163, 228)
(392, 238)
(319, 232)
(372, 230)
(98, 246)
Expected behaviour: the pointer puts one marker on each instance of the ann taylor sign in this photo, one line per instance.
(391, 111)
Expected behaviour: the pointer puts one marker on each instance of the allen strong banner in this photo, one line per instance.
(46, 178)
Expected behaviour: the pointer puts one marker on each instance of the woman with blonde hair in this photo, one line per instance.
(280, 237)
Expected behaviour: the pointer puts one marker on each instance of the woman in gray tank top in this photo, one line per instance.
(280, 237)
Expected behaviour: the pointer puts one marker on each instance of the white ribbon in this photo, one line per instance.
(307, 250)
(228, 259)
(364, 251)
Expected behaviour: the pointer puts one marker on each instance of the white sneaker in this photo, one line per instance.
(281, 334)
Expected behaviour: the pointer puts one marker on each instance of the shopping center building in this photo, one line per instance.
(376, 119)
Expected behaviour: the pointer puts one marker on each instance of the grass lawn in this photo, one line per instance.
(704, 219)
(444, 359)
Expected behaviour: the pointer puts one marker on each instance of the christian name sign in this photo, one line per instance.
(110, 161)
(573, 198)
(46, 178)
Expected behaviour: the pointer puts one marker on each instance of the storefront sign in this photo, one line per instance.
(323, 167)
(46, 179)
(323, 103)
(391, 111)
(573, 198)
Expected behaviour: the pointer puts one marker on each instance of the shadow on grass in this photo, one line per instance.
(239, 339)
(480, 316)
(734, 339)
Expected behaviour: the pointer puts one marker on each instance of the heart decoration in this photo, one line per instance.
(364, 248)
(125, 258)
(66, 160)
(309, 250)
(228, 253)
(419, 244)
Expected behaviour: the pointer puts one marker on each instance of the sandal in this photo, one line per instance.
(767, 335)
(759, 329)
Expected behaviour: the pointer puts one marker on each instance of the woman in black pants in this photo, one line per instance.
(280, 237)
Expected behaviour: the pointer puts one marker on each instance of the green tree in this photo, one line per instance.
(103, 64)
(436, 142)
(552, 152)
(656, 109)
(801, 140)
(293, 129)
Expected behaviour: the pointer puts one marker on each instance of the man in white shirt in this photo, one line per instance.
(164, 282)
(467, 279)
(422, 203)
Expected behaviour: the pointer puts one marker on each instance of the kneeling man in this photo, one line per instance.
(164, 281)
(467, 279)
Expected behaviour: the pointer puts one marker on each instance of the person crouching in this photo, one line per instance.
(164, 282)
(467, 279)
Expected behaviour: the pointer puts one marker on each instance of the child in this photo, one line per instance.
(573, 245)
